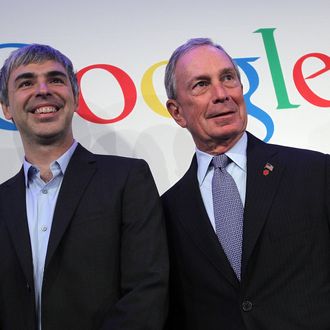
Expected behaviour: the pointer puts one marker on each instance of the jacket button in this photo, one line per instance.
(247, 305)
(28, 287)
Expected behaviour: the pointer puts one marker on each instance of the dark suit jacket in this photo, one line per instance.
(106, 265)
(286, 248)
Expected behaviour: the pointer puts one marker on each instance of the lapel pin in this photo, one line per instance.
(267, 169)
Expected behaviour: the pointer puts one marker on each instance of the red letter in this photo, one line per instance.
(127, 86)
(300, 82)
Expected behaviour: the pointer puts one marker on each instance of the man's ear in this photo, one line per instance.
(175, 111)
(6, 111)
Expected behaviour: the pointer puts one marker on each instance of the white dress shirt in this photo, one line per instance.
(236, 168)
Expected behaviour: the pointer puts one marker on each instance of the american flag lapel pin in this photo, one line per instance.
(267, 169)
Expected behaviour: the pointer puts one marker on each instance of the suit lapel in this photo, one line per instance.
(78, 174)
(14, 213)
(194, 219)
(260, 190)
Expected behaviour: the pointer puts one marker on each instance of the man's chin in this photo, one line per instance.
(230, 132)
(49, 138)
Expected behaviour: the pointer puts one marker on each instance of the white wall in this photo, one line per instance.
(134, 35)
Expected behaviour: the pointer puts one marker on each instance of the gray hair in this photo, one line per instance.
(34, 53)
(170, 83)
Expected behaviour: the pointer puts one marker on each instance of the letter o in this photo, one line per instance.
(128, 89)
(149, 93)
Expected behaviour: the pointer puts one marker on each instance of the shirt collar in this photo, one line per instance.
(62, 161)
(237, 154)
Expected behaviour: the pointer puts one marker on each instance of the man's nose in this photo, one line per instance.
(220, 93)
(42, 88)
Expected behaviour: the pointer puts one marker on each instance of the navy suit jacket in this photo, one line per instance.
(106, 265)
(285, 282)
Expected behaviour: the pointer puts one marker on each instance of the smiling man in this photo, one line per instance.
(248, 224)
(82, 238)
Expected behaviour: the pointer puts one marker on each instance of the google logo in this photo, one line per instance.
(150, 97)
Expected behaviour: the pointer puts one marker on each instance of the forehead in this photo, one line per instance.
(202, 60)
(37, 69)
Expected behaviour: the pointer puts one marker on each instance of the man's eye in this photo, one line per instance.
(230, 80)
(201, 84)
(56, 81)
(228, 77)
(25, 83)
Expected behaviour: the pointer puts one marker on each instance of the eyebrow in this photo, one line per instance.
(228, 70)
(30, 75)
(207, 77)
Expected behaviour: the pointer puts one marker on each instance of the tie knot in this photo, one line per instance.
(220, 161)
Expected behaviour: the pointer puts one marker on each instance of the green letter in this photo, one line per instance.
(275, 69)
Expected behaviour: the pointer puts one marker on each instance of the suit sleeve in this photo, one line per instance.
(144, 257)
(328, 186)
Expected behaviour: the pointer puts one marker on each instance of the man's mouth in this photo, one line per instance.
(221, 114)
(45, 110)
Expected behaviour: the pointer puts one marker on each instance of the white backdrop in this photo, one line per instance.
(135, 35)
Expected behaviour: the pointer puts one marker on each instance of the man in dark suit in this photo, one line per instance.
(82, 238)
(282, 279)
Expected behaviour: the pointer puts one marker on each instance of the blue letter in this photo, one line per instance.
(253, 110)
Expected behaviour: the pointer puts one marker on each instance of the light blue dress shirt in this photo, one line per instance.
(236, 168)
(41, 199)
